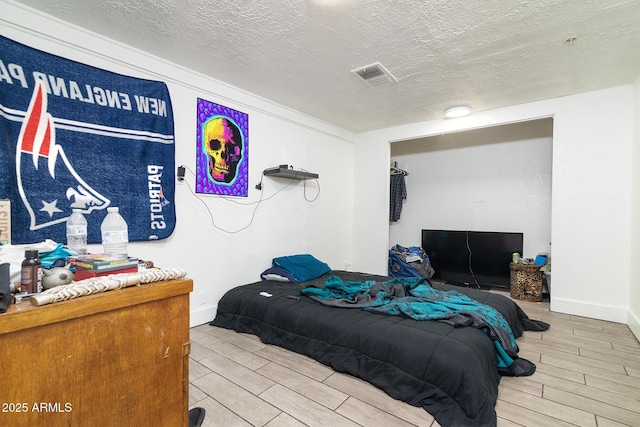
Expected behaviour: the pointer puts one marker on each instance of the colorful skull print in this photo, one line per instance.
(222, 141)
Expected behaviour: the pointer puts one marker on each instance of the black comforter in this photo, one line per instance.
(449, 371)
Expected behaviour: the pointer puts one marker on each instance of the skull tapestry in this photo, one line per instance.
(222, 150)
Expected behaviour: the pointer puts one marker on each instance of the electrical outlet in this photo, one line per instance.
(202, 297)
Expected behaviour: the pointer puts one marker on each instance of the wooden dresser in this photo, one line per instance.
(118, 358)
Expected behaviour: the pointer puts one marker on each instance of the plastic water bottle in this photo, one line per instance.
(115, 233)
(77, 232)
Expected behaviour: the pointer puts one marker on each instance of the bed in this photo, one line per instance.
(449, 371)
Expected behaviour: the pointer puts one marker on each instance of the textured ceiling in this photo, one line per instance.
(484, 53)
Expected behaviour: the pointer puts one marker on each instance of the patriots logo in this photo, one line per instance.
(42, 163)
(73, 136)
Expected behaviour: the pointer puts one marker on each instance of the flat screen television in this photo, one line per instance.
(472, 258)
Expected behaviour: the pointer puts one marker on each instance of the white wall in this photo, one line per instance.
(634, 298)
(283, 225)
(591, 194)
(490, 179)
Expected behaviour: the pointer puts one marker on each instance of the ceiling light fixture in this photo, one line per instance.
(458, 111)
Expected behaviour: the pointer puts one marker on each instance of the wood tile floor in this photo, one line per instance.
(588, 374)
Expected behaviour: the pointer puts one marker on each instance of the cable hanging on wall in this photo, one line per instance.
(181, 174)
(470, 257)
(287, 171)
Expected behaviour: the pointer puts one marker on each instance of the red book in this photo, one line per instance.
(84, 273)
(102, 263)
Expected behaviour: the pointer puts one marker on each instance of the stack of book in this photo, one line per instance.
(94, 265)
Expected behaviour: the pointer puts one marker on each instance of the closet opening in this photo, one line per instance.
(492, 179)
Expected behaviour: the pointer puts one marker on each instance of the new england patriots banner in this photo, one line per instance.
(75, 136)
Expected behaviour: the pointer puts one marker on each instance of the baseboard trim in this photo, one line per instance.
(202, 315)
(634, 324)
(593, 311)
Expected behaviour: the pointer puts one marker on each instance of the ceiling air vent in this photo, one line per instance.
(374, 75)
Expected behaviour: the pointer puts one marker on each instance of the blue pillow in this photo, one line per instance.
(302, 267)
(278, 274)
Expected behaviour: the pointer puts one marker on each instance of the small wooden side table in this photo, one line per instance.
(526, 282)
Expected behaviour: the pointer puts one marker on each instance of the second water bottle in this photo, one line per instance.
(115, 233)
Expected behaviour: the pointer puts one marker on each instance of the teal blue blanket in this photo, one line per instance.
(415, 298)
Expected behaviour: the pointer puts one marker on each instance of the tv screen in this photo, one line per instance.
(471, 258)
(448, 255)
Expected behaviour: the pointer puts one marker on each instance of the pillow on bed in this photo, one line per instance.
(278, 274)
(302, 267)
